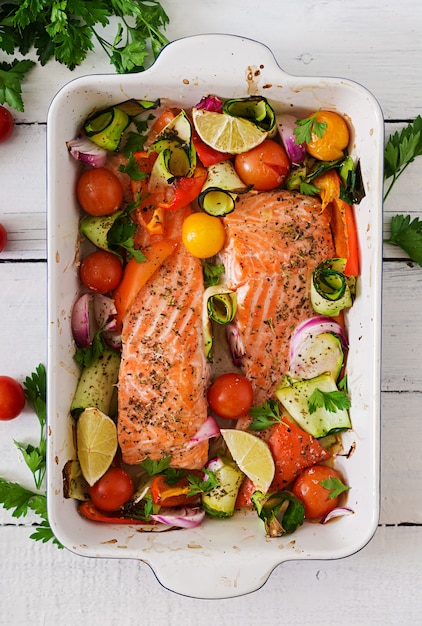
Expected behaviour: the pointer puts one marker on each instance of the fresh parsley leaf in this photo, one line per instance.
(308, 189)
(173, 475)
(330, 400)
(400, 150)
(67, 31)
(14, 496)
(156, 467)
(134, 142)
(11, 78)
(121, 235)
(335, 486)
(84, 357)
(407, 234)
(212, 273)
(265, 415)
(307, 127)
(132, 170)
(199, 485)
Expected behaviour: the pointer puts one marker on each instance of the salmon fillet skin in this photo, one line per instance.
(164, 374)
(274, 240)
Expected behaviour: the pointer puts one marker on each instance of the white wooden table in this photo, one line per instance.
(379, 45)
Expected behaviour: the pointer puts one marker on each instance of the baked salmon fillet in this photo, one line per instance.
(274, 240)
(164, 374)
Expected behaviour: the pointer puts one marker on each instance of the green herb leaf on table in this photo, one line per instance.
(14, 496)
(407, 235)
(401, 149)
(67, 31)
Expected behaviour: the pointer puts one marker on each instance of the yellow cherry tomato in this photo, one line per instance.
(203, 235)
(334, 139)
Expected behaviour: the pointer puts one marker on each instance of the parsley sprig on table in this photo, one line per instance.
(400, 151)
(14, 496)
(67, 31)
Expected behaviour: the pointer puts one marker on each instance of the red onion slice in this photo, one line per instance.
(182, 517)
(314, 326)
(105, 312)
(286, 126)
(234, 340)
(340, 511)
(82, 149)
(210, 103)
(83, 322)
(209, 429)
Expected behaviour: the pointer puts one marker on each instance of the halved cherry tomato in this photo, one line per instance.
(315, 497)
(99, 191)
(112, 490)
(12, 398)
(265, 167)
(230, 396)
(101, 271)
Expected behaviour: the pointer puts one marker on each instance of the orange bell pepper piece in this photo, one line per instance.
(172, 495)
(136, 274)
(343, 225)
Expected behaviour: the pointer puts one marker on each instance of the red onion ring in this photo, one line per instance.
(182, 517)
(340, 511)
(314, 326)
(209, 429)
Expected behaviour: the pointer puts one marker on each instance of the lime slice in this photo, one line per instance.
(97, 443)
(252, 455)
(226, 133)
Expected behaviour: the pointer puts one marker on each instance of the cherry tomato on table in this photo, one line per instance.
(314, 495)
(7, 124)
(101, 271)
(112, 490)
(265, 167)
(12, 398)
(99, 191)
(3, 237)
(230, 396)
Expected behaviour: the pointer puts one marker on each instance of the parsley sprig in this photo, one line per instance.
(67, 31)
(307, 127)
(330, 400)
(400, 151)
(14, 496)
(407, 235)
(265, 415)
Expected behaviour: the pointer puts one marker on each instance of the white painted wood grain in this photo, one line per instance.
(378, 585)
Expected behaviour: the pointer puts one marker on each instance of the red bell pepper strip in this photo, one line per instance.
(207, 155)
(186, 189)
(88, 510)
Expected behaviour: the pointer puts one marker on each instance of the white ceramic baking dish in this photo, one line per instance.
(220, 558)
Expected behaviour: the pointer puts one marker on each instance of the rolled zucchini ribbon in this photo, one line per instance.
(331, 290)
(106, 127)
(256, 109)
(219, 304)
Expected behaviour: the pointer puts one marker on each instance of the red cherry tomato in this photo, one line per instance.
(7, 124)
(99, 191)
(12, 398)
(265, 167)
(230, 396)
(113, 490)
(101, 271)
(3, 237)
(315, 497)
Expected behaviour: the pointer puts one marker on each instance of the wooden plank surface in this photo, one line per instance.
(379, 45)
